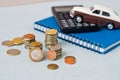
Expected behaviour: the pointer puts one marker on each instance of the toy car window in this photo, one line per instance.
(116, 13)
(91, 8)
(96, 11)
(105, 13)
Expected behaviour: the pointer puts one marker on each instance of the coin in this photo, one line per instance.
(51, 32)
(70, 60)
(36, 54)
(51, 55)
(7, 43)
(36, 44)
(59, 56)
(18, 40)
(48, 46)
(52, 66)
(13, 52)
(29, 36)
(55, 47)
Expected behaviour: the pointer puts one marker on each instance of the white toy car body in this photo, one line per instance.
(100, 15)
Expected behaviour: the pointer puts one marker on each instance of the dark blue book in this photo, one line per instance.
(100, 41)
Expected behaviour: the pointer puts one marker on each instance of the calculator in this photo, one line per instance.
(68, 24)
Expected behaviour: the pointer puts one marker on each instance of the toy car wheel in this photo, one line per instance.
(78, 18)
(110, 26)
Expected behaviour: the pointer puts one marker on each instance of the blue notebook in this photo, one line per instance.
(101, 41)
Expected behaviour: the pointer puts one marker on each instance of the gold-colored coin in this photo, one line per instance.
(51, 32)
(35, 44)
(52, 66)
(17, 41)
(13, 52)
(7, 43)
(36, 54)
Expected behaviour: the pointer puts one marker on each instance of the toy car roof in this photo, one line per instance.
(101, 7)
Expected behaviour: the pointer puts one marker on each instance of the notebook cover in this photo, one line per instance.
(104, 38)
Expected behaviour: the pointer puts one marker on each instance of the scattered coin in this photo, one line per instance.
(52, 66)
(17, 41)
(36, 54)
(13, 52)
(70, 60)
(7, 43)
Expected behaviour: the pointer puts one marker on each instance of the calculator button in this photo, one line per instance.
(85, 24)
(66, 15)
(60, 16)
(71, 23)
(92, 24)
(79, 24)
(64, 23)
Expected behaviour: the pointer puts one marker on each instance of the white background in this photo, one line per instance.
(19, 20)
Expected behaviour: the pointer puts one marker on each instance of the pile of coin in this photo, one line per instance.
(28, 39)
(36, 54)
(36, 51)
(34, 47)
(55, 52)
(51, 43)
(51, 38)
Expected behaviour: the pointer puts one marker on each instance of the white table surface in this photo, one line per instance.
(17, 21)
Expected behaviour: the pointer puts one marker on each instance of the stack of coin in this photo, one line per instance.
(36, 44)
(51, 38)
(55, 52)
(57, 48)
(36, 54)
(28, 39)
